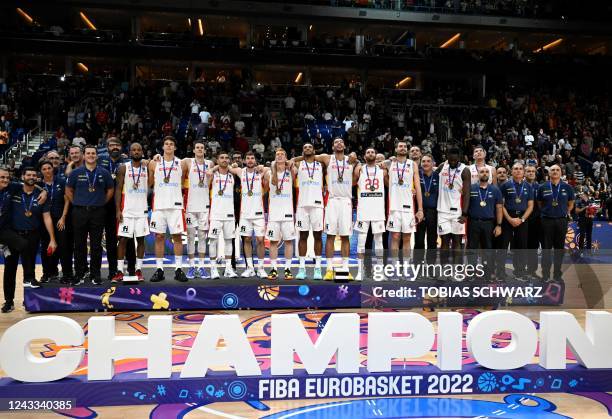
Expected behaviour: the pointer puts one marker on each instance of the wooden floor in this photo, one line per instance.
(568, 405)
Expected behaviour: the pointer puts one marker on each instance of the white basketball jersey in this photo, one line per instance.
(371, 196)
(449, 199)
(222, 197)
(280, 202)
(168, 194)
(310, 184)
(134, 194)
(474, 173)
(401, 185)
(198, 194)
(251, 204)
(340, 178)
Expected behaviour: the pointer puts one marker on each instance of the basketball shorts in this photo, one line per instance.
(307, 218)
(197, 220)
(227, 228)
(171, 220)
(449, 224)
(132, 227)
(280, 230)
(363, 226)
(246, 227)
(339, 217)
(401, 222)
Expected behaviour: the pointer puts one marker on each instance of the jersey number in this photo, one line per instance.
(371, 182)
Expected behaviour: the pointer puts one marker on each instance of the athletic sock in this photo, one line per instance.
(196, 262)
(302, 262)
(345, 263)
(228, 263)
(178, 262)
(249, 262)
(138, 264)
(120, 265)
(274, 263)
(192, 263)
(318, 262)
(260, 263)
(159, 263)
(288, 263)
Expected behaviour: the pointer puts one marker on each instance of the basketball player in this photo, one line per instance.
(197, 208)
(132, 210)
(166, 178)
(479, 156)
(453, 201)
(371, 181)
(280, 211)
(222, 217)
(403, 180)
(309, 212)
(252, 218)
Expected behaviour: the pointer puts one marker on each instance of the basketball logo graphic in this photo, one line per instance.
(268, 293)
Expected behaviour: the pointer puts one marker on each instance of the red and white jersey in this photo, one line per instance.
(310, 184)
(280, 200)
(371, 194)
(474, 173)
(449, 198)
(401, 186)
(198, 194)
(222, 197)
(339, 178)
(168, 195)
(251, 204)
(135, 188)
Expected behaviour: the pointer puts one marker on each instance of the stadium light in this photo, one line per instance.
(402, 82)
(299, 77)
(83, 67)
(189, 22)
(88, 22)
(451, 41)
(200, 27)
(24, 15)
(549, 46)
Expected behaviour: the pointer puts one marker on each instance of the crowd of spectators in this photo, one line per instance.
(539, 127)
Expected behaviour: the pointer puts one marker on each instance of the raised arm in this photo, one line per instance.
(151, 170)
(419, 198)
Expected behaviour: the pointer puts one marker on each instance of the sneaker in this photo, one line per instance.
(8, 307)
(27, 284)
(350, 276)
(317, 276)
(44, 279)
(96, 280)
(261, 273)
(301, 274)
(179, 275)
(191, 272)
(139, 275)
(288, 274)
(230, 273)
(273, 274)
(329, 275)
(202, 273)
(118, 277)
(78, 280)
(214, 272)
(248, 273)
(359, 276)
(158, 276)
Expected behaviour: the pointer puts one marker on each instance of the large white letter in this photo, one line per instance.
(383, 346)
(237, 350)
(516, 354)
(450, 332)
(339, 337)
(17, 360)
(105, 347)
(591, 347)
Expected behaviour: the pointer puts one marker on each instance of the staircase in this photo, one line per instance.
(26, 147)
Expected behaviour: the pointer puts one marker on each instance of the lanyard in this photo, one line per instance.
(249, 188)
(401, 174)
(167, 175)
(134, 179)
(340, 175)
(310, 175)
(200, 177)
(519, 193)
(372, 187)
(483, 200)
(222, 190)
(451, 181)
(28, 208)
(279, 188)
(92, 182)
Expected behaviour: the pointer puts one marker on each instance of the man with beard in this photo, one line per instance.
(403, 180)
(131, 189)
(112, 163)
(339, 209)
(55, 185)
(479, 156)
(534, 225)
(89, 188)
(309, 212)
(370, 180)
(75, 155)
(453, 201)
(415, 154)
(498, 241)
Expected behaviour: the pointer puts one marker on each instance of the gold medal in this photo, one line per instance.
(555, 203)
(311, 178)
(250, 193)
(483, 204)
(279, 191)
(340, 179)
(92, 189)
(28, 213)
(167, 179)
(372, 188)
(427, 194)
(400, 182)
(221, 193)
(450, 186)
(518, 200)
(201, 184)
(135, 186)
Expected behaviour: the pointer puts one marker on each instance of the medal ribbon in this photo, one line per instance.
(227, 175)
(519, 193)
(401, 174)
(340, 175)
(91, 183)
(310, 175)
(368, 174)
(246, 174)
(200, 178)
(485, 195)
(552, 191)
(134, 179)
(27, 209)
(452, 181)
(427, 186)
(282, 182)
(167, 175)
(50, 191)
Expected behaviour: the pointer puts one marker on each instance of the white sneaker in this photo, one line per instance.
(214, 272)
(229, 273)
(261, 273)
(248, 273)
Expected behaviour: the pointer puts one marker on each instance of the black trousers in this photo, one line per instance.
(534, 241)
(63, 253)
(500, 256)
(110, 234)
(517, 239)
(585, 226)
(28, 263)
(88, 222)
(429, 227)
(14, 241)
(480, 236)
(554, 231)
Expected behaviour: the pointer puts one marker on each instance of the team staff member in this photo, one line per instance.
(498, 242)
(534, 225)
(55, 184)
(585, 214)
(518, 206)
(556, 200)
(112, 164)
(485, 215)
(27, 216)
(430, 182)
(8, 238)
(89, 188)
